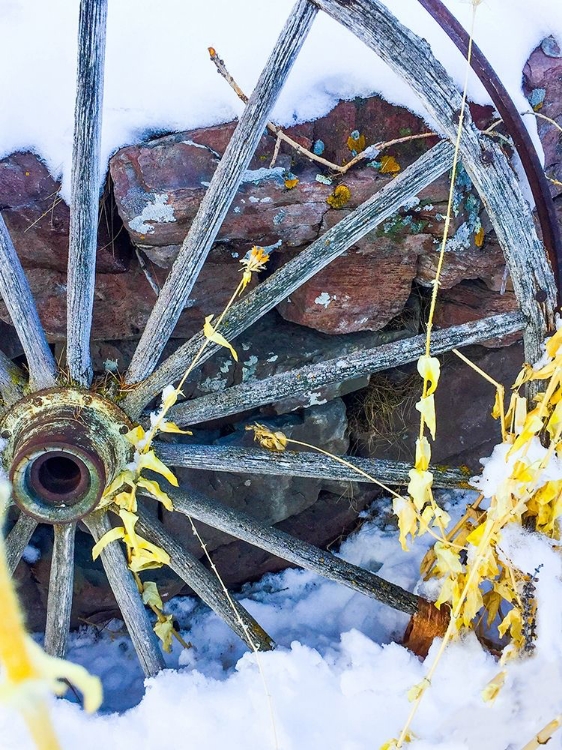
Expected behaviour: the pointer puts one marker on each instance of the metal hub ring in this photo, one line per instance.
(64, 446)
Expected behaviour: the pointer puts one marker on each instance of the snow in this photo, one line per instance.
(337, 680)
(499, 466)
(159, 77)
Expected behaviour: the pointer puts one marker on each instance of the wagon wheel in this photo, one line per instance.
(66, 443)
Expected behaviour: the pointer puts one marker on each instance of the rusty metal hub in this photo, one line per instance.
(63, 447)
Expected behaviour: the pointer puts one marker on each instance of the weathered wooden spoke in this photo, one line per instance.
(485, 162)
(297, 464)
(85, 187)
(298, 270)
(206, 585)
(18, 539)
(308, 379)
(220, 193)
(61, 585)
(17, 297)
(242, 526)
(128, 597)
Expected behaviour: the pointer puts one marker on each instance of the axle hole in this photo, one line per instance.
(58, 476)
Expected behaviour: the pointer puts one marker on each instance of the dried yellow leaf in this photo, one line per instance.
(291, 183)
(492, 601)
(555, 420)
(212, 335)
(419, 487)
(153, 488)
(273, 441)
(127, 500)
(148, 556)
(393, 743)
(111, 536)
(497, 410)
(129, 521)
(473, 603)
(429, 368)
(151, 461)
(475, 536)
(554, 343)
(490, 692)
(407, 519)
(416, 692)
(427, 564)
(164, 629)
(479, 237)
(166, 426)
(533, 424)
(124, 477)
(512, 622)
(150, 595)
(450, 592)
(423, 454)
(136, 435)
(447, 560)
(426, 407)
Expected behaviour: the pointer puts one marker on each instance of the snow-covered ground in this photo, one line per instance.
(337, 681)
(159, 76)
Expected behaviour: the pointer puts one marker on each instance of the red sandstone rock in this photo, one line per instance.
(486, 263)
(362, 289)
(38, 219)
(544, 72)
(123, 302)
(472, 301)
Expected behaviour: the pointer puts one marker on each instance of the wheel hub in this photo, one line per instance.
(63, 447)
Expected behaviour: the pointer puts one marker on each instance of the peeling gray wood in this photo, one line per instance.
(12, 380)
(411, 58)
(17, 297)
(85, 188)
(308, 379)
(61, 585)
(242, 526)
(220, 193)
(18, 539)
(293, 274)
(128, 598)
(205, 584)
(296, 464)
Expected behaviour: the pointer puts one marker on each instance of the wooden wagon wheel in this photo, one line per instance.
(64, 444)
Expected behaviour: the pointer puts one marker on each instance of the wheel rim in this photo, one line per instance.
(65, 444)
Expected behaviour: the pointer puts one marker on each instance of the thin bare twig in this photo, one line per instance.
(368, 153)
(145, 269)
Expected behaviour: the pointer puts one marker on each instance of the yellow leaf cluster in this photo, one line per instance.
(255, 260)
(475, 582)
(273, 441)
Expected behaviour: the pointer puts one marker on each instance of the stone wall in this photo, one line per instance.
(375, 292)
